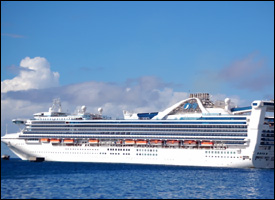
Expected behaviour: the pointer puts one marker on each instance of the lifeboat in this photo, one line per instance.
(68, 141)
(172, 142)
(129, 142)
(190, 142)
(93, 141)
(155, 142)
(55, 141)
(141, 142)
(206, 143)
(44, 140)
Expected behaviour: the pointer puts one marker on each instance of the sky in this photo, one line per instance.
(137, 56)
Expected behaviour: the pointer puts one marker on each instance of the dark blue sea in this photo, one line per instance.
(58, 180)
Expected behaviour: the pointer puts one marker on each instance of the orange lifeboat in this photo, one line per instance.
(206, 143)
(155, 142)
(44, 140)
(172, 142)
(68, 141)
(141, 142)
(55, 141)
(190, 142)
(93, 141)
(129, 142)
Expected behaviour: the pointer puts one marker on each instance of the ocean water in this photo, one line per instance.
(60, 180)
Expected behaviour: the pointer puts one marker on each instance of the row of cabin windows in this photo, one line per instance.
(220, 152)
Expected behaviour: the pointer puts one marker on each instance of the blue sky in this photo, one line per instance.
(133, 55)
(114, 41)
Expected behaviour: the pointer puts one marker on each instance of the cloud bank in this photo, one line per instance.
(249, 73)
(35, 74)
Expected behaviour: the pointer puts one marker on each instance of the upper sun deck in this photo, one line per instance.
(198, 105)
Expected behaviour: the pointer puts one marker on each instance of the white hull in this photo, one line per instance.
(137, 155)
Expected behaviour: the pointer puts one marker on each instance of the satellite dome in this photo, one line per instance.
(100, 110)
(83, 109)
(227, 101)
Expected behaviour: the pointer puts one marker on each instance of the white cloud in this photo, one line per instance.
(12, 108)
(250, 73)
(36, 75)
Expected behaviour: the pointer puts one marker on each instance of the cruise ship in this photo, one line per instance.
(193, 132)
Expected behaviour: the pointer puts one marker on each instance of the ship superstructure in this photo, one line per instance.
(193, 132)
